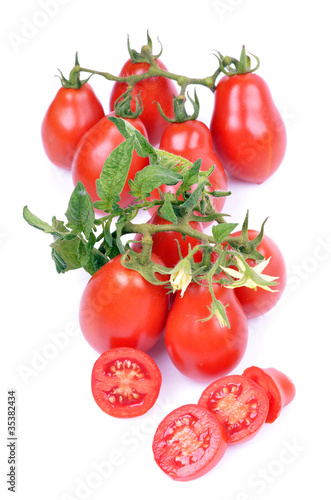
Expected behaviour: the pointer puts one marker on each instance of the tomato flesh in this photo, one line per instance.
(279, 388)
(125, 382)
(189, 442)
(240, 404)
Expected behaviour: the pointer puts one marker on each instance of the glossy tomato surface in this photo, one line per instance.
(165, 243)
(256, 302)
(125, 382)
(192, 140)
(241, 405)
(94, 148)
(205, 350)
(70, 115)
(278, 386)
(119, 308)
(189, 442)
(248, 131)
(151, 90)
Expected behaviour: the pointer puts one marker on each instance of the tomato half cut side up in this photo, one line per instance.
(239, 403)
(189, 442)
(125, 382)
(278, 386)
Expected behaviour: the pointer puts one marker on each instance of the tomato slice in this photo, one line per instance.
(125, 382)
(278, 386)
(239, 403)
(189, 442)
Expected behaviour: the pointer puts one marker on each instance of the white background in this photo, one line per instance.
(67, 448)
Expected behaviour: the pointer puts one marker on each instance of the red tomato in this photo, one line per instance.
(152, 89)
(248, 131)
(92, 151)
(119, 308)
(189, 442)
(165, 244)
(192, 140)
(72, 113)
(279, 388)
(205, 350)
(259, 301)
(125, 382)
(240, 404)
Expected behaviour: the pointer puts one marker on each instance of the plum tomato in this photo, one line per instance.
(152, 90)
(239, 403)
(125, 382)
(257, 302)
(119, 308)
(248, 131)
(189, 442)
(192, 140)
(205, 350)
(278, 386)
(165, 243)
(93, 149)
(70, 115)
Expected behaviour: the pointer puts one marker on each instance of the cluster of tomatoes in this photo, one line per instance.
(122, 315)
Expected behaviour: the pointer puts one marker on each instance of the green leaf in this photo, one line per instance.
(222, 231)
(150, 178)
(90, 261)
(167, 211)
(194, 198)
(60, 264)
(190, 177)
(141, 144)
(57, 228)
(66, 253)
(113, 176)
(80, 213)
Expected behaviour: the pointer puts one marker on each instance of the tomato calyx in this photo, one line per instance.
(180, 113)
(74, 81)
(231, 66)
(146, 53)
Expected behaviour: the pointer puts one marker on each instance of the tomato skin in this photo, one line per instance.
(278, 386)
(92, 151)
(125, 382)
(205, 350)
(152, 89)
(192, 140)
(248, 131)
(204, 441)
(239, 403)
(165, 244)
(119, 308)
(71, 113)
(259, 301)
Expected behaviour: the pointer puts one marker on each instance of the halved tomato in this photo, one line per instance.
(239, 403)
(189, 442)
(278, 386)
(125, 382)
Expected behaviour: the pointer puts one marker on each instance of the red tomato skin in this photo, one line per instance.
(248, 131)
(119, 308)
(150, 382)
(192, 140)
(278, 386)
(92, 151)
(152, 89)
(70, 115)
(165, 244)
(207, 422)
(205, 350)
(259, 301)
(249, 390)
